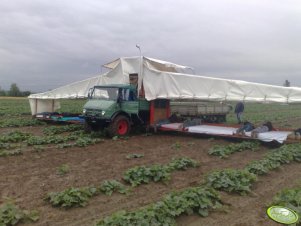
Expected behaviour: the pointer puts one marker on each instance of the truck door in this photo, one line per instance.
(130, 101)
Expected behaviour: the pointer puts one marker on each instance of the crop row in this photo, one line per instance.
(290, 198)
(229, 180)
(240, 181)
(192, 200)
(4, 153)
(199, 200)
(20, 122)
(283, 155)
(73, 197)
(78, 137)
(144, 174)
(10, 214)
(224, 151)
(53, 130)
(78, 196)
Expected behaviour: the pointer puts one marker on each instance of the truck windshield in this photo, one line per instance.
(105, 93)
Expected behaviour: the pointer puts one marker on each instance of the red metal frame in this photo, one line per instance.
(224, 135)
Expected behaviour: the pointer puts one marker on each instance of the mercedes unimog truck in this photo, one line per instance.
(117, 108)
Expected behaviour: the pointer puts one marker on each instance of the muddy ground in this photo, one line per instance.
(29, 177)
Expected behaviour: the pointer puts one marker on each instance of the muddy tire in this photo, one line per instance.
(120, 126)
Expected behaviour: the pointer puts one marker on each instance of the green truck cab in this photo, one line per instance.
(116, 108)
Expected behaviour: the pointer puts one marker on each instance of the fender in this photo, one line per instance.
(120, 113)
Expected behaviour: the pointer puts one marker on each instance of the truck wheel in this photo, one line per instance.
(119, 127)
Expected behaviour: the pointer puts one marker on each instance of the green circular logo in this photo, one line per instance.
(282, 215)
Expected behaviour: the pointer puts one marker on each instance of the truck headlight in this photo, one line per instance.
(84, 111)
(103, 113)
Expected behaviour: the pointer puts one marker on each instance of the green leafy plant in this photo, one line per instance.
(231, 180)
(280, 156)
(142, 174)
(72, 197)
(296, 153)
(176, 145)
(36, 140)
(262, 166)
(275, 159)
(53, 130)
(4, 153)
(11, 214)
(109, 186)
(5, 146)
(225, 151)
(294, 150)
(134, 156)
(85, 141)
(81, 140)
(14, 137)
(63, 169)
(198, 200)
(182, 164)
(290, 198)
(20, 122)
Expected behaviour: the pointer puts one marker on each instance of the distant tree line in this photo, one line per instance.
(14, 91)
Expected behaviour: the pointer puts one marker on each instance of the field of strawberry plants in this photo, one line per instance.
(59, 175)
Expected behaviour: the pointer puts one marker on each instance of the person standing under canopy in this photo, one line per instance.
(239, 109)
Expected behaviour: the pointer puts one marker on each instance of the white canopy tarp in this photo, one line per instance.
(163, 79)
(119, 74)
(170, 85)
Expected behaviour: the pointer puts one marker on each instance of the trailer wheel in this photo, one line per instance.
(120, 126)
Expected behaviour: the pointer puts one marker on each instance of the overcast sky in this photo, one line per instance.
(46, 44)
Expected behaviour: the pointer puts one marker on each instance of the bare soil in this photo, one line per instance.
(29, 177)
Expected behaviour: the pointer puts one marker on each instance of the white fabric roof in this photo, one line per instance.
(176, 85)
(163, 79)
(119, 74)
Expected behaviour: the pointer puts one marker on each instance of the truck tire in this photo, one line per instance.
(120, 126)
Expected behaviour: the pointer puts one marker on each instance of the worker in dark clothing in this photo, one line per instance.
(239, 109)
(246, 127)
(265, 127)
